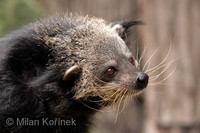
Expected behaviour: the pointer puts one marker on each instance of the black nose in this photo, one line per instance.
(142, 80)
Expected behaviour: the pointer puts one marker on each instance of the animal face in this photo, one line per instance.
(110, 71)
(118, 66)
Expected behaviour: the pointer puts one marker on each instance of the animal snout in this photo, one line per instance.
(142, 80)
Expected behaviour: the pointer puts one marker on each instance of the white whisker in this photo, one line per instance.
(158, 75)
(168, 53)
(150, 58)
(157, 83)
(142, 55)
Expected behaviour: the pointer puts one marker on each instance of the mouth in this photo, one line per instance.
(112, 94)
(110, 97)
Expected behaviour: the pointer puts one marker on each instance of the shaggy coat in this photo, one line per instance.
(57, 72)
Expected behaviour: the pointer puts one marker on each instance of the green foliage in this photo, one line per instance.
(15, 13)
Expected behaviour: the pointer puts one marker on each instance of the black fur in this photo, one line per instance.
(25, 84)
(126, 25)
(32, 87)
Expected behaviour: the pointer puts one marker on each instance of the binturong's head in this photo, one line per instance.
(96, 59)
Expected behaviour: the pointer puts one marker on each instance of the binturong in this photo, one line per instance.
(57, 72)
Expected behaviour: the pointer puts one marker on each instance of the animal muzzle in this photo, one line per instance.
(141, 81)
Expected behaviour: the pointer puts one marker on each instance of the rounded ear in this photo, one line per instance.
(54, 75)
(122, 27)
(71, 71)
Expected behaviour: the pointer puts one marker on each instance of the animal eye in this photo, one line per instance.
(110, 71)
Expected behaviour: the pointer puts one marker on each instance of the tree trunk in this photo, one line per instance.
(175, 23)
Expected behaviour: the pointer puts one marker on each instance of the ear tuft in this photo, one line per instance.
(127, 24)
(71, 71)
(119, 29)
(122, 27)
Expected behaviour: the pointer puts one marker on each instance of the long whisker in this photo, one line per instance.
(158, 75)
(152, 70)
(92, 107)
(118, 108)
(150, 58)
(135, 41)
(157, 83)
(137, 52)
(168, 53)
(142, 55)
(149, 63)
(114, 101)
(107, 98)
(125, 100)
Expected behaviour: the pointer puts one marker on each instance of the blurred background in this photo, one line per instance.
(168, 44)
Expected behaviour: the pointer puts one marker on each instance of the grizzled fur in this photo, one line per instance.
(34, 60)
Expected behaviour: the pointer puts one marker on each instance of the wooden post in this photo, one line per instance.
(175, 23)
